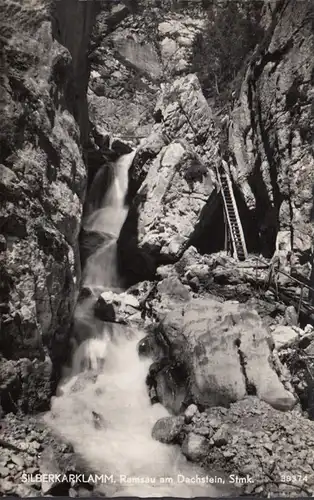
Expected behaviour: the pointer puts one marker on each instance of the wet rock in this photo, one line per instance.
(190, 412)
(83, 380)
(90, 242)
(104, 308)
(118, 308)
(120, 147)
(168, 430)
(308, 329)
(195, 447)
(171, 388)
(220, 437)
(98, 420)
(194, 283)
(145, 347)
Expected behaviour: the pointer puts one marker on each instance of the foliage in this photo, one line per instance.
(231, 33)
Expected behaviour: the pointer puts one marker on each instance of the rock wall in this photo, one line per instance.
(271, 130)
(43, 80)
(173, 191)
(133, 51)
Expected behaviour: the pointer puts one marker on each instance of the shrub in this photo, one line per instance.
(231, 33)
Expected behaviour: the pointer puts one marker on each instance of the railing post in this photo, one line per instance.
(226, 231)
(235, 256)
(300, 302)
(256, 271)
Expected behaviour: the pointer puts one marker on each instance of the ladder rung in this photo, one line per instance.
(231, 209)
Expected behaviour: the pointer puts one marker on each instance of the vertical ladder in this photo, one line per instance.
(232, 213)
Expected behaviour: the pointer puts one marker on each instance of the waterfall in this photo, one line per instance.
(102, 407)
(101, 267)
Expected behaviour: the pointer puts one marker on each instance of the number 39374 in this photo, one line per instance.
(294, 478)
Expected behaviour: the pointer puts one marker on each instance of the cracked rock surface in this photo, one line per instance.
(42, 184)
(223, 347)
(271, 128)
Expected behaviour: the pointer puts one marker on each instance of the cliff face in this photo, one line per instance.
(134, 51)
(271, 131)
(43, 80)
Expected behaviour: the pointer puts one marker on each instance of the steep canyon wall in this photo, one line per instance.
(43, 81)
(271, 129)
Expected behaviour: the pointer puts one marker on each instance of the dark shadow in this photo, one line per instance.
(249, 223)
(209, 234)
(265, 216)
(134, 263)
(312, 208)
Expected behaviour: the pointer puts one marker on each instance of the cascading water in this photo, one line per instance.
(103, 408)
(101, 268)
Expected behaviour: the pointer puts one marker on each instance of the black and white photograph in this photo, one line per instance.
(157, 248)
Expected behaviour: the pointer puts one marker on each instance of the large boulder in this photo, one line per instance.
(117, 308)
(224, 351)
(175, 191)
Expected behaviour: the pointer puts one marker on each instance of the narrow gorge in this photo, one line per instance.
(156, 256)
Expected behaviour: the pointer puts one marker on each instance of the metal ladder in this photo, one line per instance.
(231, 213)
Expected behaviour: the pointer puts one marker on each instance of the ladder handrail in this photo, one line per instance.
(227, 213)
(237, 245)
(235, 207)
(288, 276)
